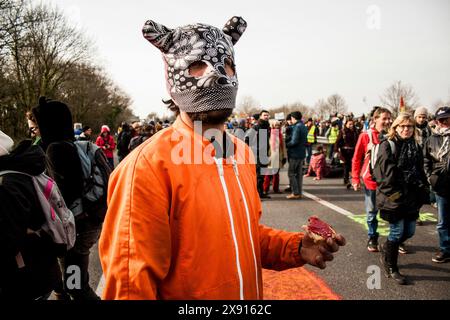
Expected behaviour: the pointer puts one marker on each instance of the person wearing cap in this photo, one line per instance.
(437, 169)
(423, 129)
(85, 134)
(423, 132)
(182, 224)
(106, 142)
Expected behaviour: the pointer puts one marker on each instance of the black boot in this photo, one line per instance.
(389, 258)
(85, 292)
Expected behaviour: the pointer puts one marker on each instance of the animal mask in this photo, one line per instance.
(181, 47)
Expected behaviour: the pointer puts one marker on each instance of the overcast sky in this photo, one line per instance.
(292, 50)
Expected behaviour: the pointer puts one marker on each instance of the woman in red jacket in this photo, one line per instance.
(107, 143)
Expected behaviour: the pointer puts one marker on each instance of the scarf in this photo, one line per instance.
(407, 161)
(445, 148)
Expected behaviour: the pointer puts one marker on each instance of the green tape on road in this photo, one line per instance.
(383, 226)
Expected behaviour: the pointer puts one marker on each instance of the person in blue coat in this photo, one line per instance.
(296, 147)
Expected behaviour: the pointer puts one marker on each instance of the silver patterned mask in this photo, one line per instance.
(214, 90)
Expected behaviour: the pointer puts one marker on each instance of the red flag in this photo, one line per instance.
(402, 105)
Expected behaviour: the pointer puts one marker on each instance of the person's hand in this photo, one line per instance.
(356, 186)
(317, 254)
(283, 161)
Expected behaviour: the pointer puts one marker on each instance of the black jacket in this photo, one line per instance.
(395, 198)
(19, 210)
(438, 172)
(258, 139)
(63, 163)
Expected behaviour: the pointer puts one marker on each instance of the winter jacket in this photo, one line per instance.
(258, 138)
(424, 133)
(396, 198)
(346, 141)
(123, 142)
(318, 165)
(63, 163)
(20, 210)
(107, 144)
(361, 157)
(277, 150)
(180, 226)
(438, 172)
(296, 146)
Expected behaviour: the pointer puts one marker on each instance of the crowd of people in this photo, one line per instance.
(158, 239)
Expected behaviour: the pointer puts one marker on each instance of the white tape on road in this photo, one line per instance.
(328, 204)
(101, 286)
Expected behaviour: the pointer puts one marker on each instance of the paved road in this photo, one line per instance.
(347, 275)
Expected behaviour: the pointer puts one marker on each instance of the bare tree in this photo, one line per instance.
(337, 104)
(248, 105)
(44, 56)
(322, 109)
(438, 104)
(393, 94)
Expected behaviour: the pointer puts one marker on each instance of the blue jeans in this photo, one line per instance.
(443, 226)
(371, 211)
(401, 230)
(309, 148)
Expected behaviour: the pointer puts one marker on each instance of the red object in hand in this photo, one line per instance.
(319, 230)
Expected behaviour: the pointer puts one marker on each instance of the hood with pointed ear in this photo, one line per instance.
(205, 44)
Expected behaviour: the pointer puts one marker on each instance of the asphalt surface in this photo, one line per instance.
(348, 273)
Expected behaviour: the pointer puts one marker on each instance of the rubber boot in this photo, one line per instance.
(389, 260)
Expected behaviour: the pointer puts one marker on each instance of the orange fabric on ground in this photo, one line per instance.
(295, 284)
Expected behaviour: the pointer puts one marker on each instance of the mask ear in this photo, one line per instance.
(235, 27)
(159, 35)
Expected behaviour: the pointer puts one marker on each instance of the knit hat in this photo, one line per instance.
(105, 128)
(421, 111)
(182, 46)
(6, 144)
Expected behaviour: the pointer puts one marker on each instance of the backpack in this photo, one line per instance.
(96, 170)
(374, 153)
(59, 220)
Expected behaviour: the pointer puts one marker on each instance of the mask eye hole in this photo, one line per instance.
(197, 68)
(229, 67)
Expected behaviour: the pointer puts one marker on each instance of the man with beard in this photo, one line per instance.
(182, 221)
(258, 138)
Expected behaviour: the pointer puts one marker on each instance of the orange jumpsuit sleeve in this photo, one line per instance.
(279, 249)
(135, 244)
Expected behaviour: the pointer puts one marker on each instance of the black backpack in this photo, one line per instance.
(96, 171)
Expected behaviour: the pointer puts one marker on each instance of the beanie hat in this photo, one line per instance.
(105, 128)
(182, 46)
(421, 111)
(6, 144)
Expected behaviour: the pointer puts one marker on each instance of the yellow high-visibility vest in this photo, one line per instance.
(311, 134)
(333, 135)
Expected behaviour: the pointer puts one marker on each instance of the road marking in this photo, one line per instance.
(101, 286)
(328, 204)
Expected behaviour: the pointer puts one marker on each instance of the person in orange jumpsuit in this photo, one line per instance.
(182, 221)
